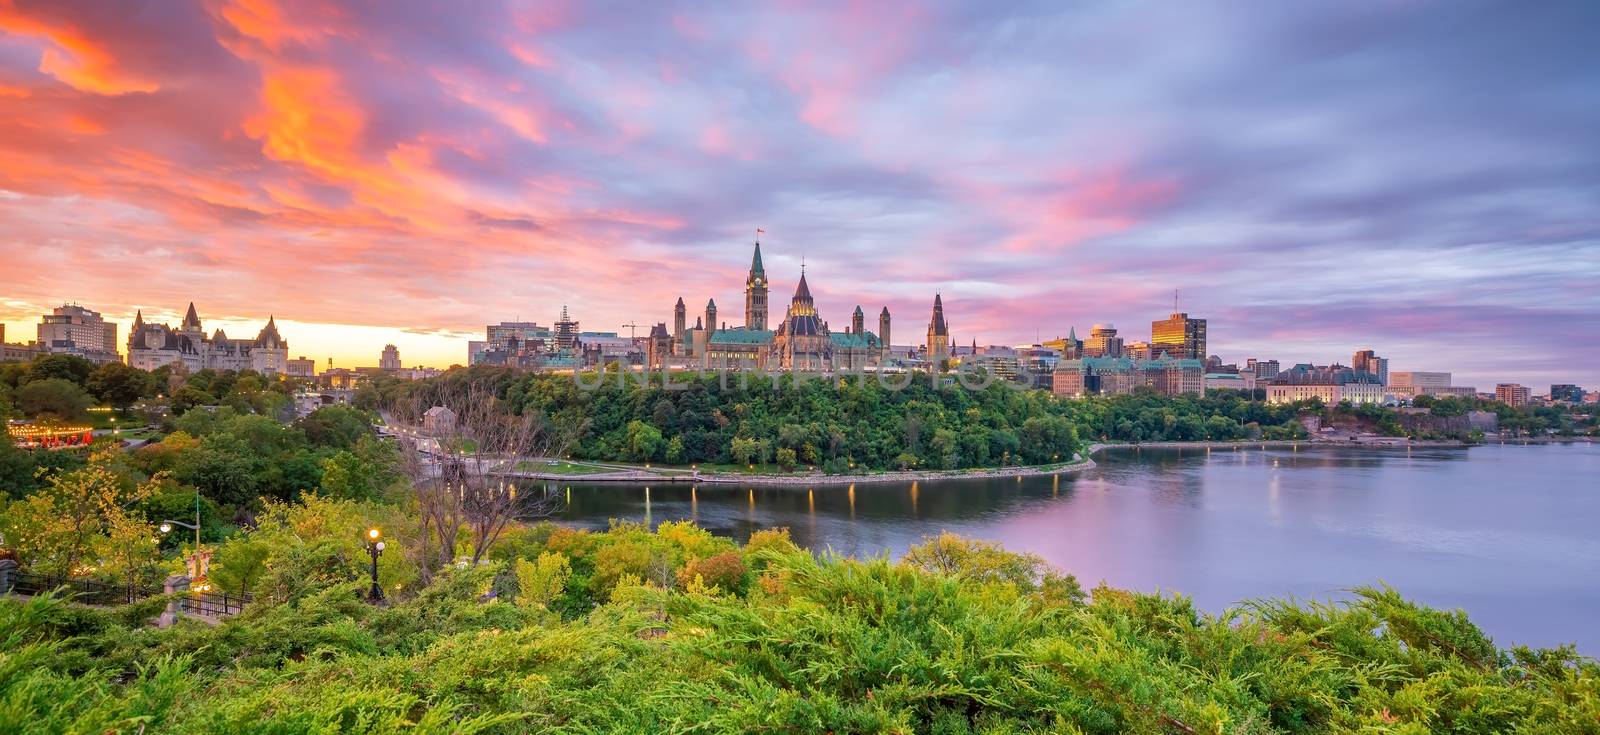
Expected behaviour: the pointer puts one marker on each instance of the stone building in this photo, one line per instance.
(802, 340)
(152, 345)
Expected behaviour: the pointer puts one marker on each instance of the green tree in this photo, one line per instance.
(188, 397)
(643, 442)
(60, 366)
(119, 385)
(53, 397)
(335, 426)
(743, 449)
(540, 582)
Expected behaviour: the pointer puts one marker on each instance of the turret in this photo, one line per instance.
(858, 321)
(191, 320)
(711, 315)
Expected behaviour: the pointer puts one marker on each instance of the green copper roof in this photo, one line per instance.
(741, 336)
(755, 263)
(1124, 364)
(864, 340)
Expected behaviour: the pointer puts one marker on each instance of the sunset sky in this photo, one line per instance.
(1422, 178)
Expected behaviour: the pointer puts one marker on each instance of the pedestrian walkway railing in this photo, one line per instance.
(94, 592)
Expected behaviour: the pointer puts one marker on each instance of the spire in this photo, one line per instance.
(191, 320)
(755, 262)
(680, 302)
(1072, 334)
(138, 319)
(711, 304)
(858, 310)
(802, 292)
(937, 327)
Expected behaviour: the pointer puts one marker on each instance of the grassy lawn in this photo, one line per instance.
(740, 469)
(562, 468)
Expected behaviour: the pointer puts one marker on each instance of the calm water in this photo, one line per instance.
(1509, 533)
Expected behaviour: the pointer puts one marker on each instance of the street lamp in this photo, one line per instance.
(167, 524)
(375, 548)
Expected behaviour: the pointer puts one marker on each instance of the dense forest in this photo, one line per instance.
(677, 631)
(838, 424)
(830, 424)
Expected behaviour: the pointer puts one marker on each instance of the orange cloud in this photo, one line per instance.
(73, 58)
(266, 21)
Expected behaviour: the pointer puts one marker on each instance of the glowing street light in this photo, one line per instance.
(375, 548)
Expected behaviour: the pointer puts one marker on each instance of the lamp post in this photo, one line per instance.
(375, 548)
(166, 525)
(199, 563)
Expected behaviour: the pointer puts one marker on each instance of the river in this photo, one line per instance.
(1511, 534)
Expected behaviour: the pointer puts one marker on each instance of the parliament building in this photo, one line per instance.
(801, 339)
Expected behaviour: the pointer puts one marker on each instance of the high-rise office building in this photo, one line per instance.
(1511, 394)
(1102, 342)
(1263, 369)
(75, 330)
(1367, 361)
(1179, 336)
(1566, 392)
(566, 331)
(390, 359)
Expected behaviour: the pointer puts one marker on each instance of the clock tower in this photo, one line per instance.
(755, 294)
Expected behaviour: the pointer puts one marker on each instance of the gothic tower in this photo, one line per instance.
(711, 318)
(755, 293)
(680, 321)
(858, 321)
(938, 332)
(191, 321)
(883, 330)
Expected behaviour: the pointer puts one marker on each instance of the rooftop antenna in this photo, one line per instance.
(1174, 301)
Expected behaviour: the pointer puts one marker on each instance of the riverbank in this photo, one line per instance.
(658, 476)
(599, 472)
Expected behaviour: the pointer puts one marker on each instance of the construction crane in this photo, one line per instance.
(632, 337)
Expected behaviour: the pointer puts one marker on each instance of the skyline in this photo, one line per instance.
(1418, 179)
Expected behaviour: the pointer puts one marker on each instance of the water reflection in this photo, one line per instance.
(1488, 529)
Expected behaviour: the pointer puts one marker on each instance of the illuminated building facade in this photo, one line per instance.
(1179, 336)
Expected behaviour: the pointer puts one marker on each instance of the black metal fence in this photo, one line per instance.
(94, 592)
(213, 604)
(87, 591)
